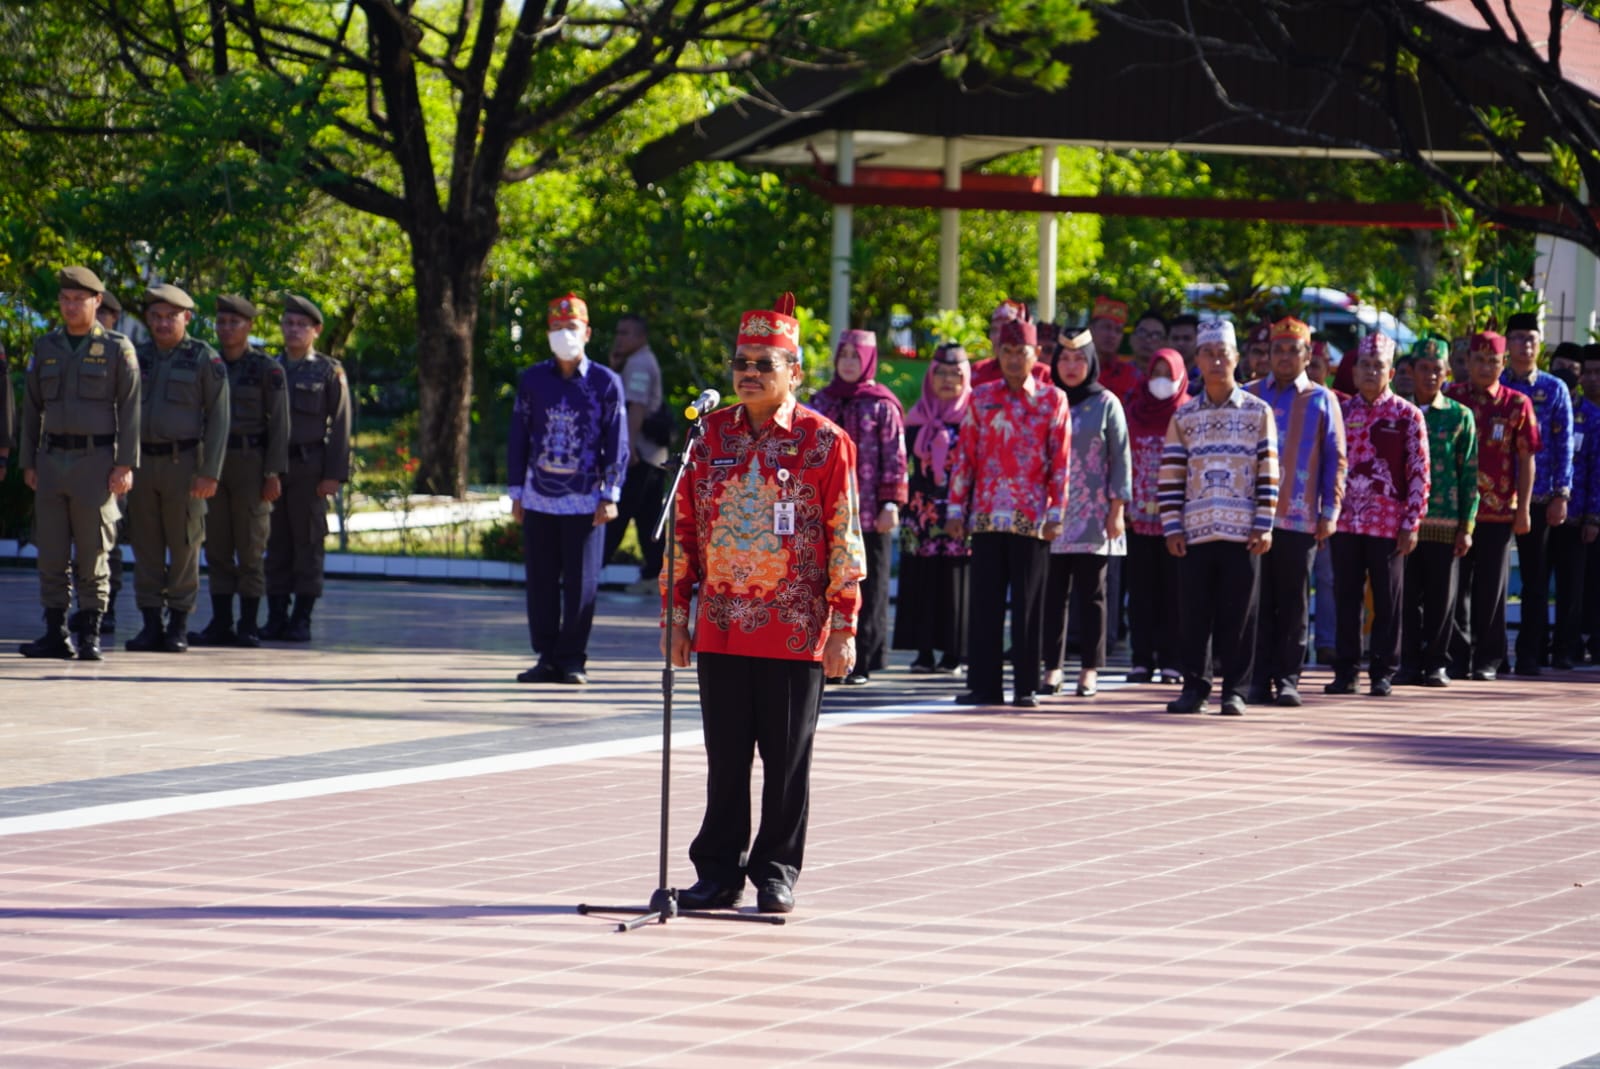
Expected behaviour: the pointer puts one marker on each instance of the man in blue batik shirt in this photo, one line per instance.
(1552, 482)
(567, 453)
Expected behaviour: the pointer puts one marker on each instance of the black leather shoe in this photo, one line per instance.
(539, 673)
(1435, 678)
(1139, 675)
(1026, 701)
(1381, 688)
(1260, 694)
(1342, 684)
(972, 697)
(774, 896)
(857, 679)
(1408, 677)
(1232, 705)
(1526, 667)
(1190, 701)
(1484, 675)
(706, 894)
(574, 679)
(1289, 693)
(1561, 662)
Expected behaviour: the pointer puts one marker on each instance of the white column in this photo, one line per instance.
(843, 221)
(1049, 228)
(950, 233)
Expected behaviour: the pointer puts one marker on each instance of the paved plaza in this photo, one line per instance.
(370, 852)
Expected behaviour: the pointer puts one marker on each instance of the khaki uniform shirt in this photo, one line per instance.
(185, 399)
(259, 396)
(319, 410)
(87, 388)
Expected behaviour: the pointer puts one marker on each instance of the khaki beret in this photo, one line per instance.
(109, 302)
(168, 294)
(80, 278)
(302, 306)
(231, 302)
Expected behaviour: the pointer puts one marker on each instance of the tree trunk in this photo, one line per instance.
(448, 276)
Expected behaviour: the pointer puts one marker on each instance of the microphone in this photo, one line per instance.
(702, 404)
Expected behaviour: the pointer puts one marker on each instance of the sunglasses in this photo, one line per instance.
(740, 363)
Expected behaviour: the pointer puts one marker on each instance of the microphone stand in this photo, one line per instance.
(663, 904)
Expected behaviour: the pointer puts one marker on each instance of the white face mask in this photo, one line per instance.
(1162, 389)
(566, 344)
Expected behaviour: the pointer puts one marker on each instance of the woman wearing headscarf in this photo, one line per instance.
(931, 611)
(874, 419)
(1152, 571)
(1099, 484)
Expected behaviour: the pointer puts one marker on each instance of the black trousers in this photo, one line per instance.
(1357, 561)
(1002, 562)
(642, 491)
(1220, 581)
(1591, 597)
(1479, 641)
(1076, 582)
(1570, 566)
(1284, 614)
(752, 705)
(1533, 566)
(1154, 603)
(1428, 619)
(872, 627)
(561, 562)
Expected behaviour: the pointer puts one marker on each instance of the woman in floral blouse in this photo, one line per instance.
(1099, 483)
(874, 419)
(931, 611)
(1153, 572)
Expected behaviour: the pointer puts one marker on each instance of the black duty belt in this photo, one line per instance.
(246, 441)
(305, 452)
(167, 449)
(78, 441)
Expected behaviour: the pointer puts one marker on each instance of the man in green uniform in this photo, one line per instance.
(79, 446)
(109, 316)
(239, 516)
(184, 397)
(319, 460)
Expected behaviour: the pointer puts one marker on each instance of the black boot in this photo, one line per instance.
(247, 634)
(89, 638)
(56, 640)
(299, 629)
(219, 632)
(277, 617)
(149, 637)
(176, 640)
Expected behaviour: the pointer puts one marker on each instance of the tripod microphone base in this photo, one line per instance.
(664, 906)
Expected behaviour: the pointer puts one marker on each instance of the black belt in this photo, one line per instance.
(78, 441)
(167, 449)
(246, 441)
(305, 452)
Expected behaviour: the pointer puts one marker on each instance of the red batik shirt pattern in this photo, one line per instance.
(1507, 430)
(1010, 474)
(1387, 482)
(764, 594)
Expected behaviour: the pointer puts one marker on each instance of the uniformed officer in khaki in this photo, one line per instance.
(78, 449)
(184, 399)
(109, 316)
(319, 460)
(238, 518)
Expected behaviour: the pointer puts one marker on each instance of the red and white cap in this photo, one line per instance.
(776, 326)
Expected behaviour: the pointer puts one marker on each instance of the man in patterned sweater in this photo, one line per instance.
(1218, 491)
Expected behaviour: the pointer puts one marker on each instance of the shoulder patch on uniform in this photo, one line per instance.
(219, 370)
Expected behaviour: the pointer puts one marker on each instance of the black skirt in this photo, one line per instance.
(930, 610)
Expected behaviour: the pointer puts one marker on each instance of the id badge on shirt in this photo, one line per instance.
(1497, 433)
(1577, 441)
(783, 517)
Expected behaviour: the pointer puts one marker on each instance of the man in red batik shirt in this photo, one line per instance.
(768, 525)
(1008, 488)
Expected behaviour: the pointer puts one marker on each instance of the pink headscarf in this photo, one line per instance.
(865, 343)
(931, 413)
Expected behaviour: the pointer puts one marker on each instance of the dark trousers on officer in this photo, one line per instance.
(561, 559)
(237, 524)
(1284, 613)
(1220, 583)
(297, 539)
(1075, 586)
(1357, 561)
(1569, 566)
(166, 525)
(1153, 602)
(1479, 642)
(640, 504)
(74, 525)
(1533, 568)
(1428, 619)
(751, 705)
(1591, 597)
(872, 627)
(1002, 562)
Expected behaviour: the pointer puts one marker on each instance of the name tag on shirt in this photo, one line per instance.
(1000, 521)
(1577, 441)
(783, 517)
(1498, 432)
